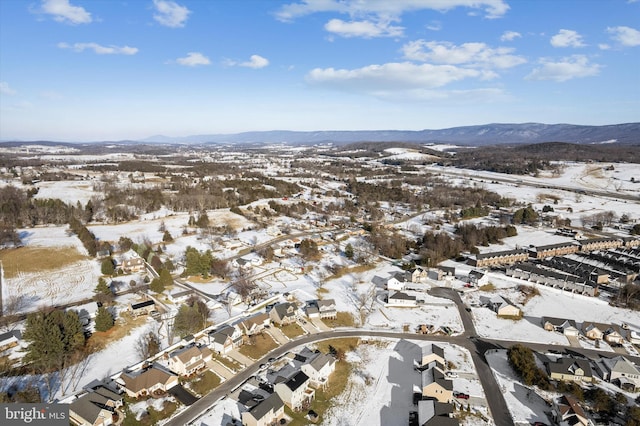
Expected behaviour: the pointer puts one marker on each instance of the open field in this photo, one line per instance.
(26, 260)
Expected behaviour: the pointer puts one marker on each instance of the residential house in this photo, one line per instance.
(435, 386)
(568, 412)
(565, 326)
(327, 308)
(570, 369)
(478, 278)
(319, 369)
(442, 273)
(131, 262)
(431, 412)
(147, 382)
(418, 274)
(142, 308)
(95, 408)
(225, 339)
(266, 413)
(502, 306)
(398, 281)
(255, 324)
(619, 371)
(497, 258)
(432, 354)
(632, 336)
(610, 333)
(284, 313)
(181, 296)
(189, 360)
(400, 298)
(10, 339)
(295, 391)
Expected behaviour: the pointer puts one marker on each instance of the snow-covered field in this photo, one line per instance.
(49, 288)
(551, 302)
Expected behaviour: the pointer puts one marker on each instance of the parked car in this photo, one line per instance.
(451, 374)
(461, 395)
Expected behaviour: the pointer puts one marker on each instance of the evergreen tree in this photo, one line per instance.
(156, 285)
(107, 267)
(103, 292)
(165, 278)
(167, 237)
(104, 319)
(348, 251)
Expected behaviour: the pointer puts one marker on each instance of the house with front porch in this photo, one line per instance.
(146, 382)
(295, 391)
(95, 408)
(225, 339)
(187, 361)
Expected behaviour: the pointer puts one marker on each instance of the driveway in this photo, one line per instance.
(574, 342)
(182, 395)
(277, 335)
(308, 327)
(320, 324)
(220, 370)
(242, 359)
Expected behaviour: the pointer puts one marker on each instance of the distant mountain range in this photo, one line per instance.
(488, 134)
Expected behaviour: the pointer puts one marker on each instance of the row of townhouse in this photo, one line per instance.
(435, 405)
(611, 333)
(509, 257)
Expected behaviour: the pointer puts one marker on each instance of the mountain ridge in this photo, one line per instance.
(484, 134)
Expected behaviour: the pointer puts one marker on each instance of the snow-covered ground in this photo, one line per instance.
(551, 302)
(70, 283)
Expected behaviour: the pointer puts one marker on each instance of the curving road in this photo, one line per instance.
(469, 340)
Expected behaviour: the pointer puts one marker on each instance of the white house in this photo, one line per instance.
(225, 339)
(189, 360)
(401, 299)
(319, 369)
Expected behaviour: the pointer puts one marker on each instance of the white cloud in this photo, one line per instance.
(392, 76)
(625, 35)
(255, 62)
(510, 36)
(377, 18)
(574, 66)
(63, 11)
(567, 38)
(193, 59)
(170, 14)
(365, 29)
(386, 8)
(604, 46)
(99, 49)
(5, 89)
(472, 54)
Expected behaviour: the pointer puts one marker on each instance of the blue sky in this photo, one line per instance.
(90, 70)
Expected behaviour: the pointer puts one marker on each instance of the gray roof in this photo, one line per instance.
(559, 322)
(321, 360)
(567, 366)
(13, 333)
(89, 405)
(621, 364)
(272, 402)
(401, 296)
(432, 375)
(501, 253)
(282, 308)
(432, 412)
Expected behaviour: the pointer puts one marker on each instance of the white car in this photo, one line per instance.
(451, 374)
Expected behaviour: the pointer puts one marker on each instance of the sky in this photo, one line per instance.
(95, 70)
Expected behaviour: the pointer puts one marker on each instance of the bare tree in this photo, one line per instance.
(148, 346)
(10, 310)
(242, 284)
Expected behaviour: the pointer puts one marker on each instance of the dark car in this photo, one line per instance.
(461, 395)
